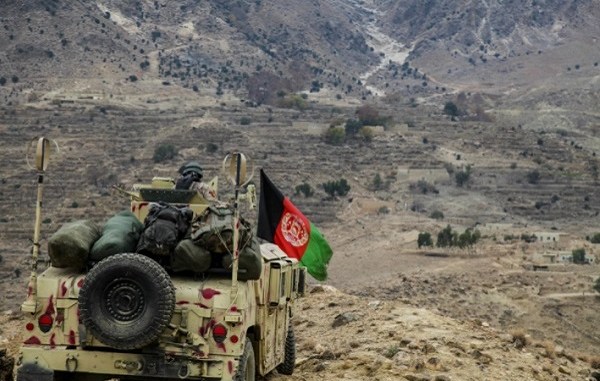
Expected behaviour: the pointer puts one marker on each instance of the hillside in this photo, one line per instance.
(482, 115)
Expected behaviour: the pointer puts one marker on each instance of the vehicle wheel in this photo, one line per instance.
(126, 301)
(289, 360)
(247, 368)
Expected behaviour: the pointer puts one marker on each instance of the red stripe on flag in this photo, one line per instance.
(293, 231)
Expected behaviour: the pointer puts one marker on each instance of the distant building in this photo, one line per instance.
(557, 257)
(548, 237)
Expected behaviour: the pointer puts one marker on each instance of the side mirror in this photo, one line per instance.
(235, 166)
(42, 154)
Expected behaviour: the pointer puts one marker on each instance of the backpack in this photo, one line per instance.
(213, 230)
(164, 227)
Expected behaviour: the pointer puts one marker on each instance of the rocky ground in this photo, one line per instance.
(346, 337)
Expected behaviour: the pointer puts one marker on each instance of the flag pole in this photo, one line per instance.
(236, 228)
(42, 155)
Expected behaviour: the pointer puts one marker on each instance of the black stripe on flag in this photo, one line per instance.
(270, 208)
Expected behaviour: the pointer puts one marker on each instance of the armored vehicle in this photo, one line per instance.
(128, 318)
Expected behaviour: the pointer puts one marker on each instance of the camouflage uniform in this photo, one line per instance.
(205, 190)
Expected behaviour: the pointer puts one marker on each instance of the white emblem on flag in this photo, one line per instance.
(294, 230)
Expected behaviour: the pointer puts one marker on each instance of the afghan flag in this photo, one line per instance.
(280, 222)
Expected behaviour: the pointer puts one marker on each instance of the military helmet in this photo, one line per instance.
(192, 166)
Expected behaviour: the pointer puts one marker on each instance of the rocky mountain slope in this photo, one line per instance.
(502, 92)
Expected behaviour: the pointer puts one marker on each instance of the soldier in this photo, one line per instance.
(191, 178)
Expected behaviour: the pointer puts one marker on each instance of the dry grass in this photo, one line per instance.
(520, 338)
(549, 349)
(594, 362)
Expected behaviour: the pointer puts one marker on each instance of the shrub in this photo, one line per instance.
(366, 133)
(377, 182)
(14, 79)
(437, 215)
(74, 204)
(293, 101)
(244, 121)
(211, 147)
(133, 78)
(446, 237)
(339, 187)
(451, 109)
(462, 177)
(391, 351)
(424, 239)
(528, 238)
(2, 81)
(164, 152)
(335, 136)
(422, 186)
(594, 362)
(352, 127)
(383, 210)
(533, 177)
(595, 238)
(578, 256)
(520, 339)
(305, 189)
(549, 349)
(468, 238)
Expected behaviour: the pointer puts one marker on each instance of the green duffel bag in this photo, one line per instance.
(120, 234)
(70, 246)
(190, 257)
(250, 262)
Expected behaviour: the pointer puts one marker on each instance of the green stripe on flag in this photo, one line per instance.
(317, 254)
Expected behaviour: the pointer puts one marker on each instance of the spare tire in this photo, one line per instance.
(127, 301)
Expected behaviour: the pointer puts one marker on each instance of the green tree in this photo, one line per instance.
(329, 187)
(446, 237)
(343, 187)
(377, 182)
(437, 215)
(164, 152)
(451, 109)
(335, 136)
(578, 256)
(424, 239)
(468, 238)
(352, 127)
(304, 189)
(462, 177)
(339, 187)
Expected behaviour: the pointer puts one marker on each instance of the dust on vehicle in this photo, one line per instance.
(129, 316)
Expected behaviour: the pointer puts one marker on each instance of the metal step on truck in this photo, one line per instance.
(128, 317)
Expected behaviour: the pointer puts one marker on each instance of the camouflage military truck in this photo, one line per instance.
(128, 318)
